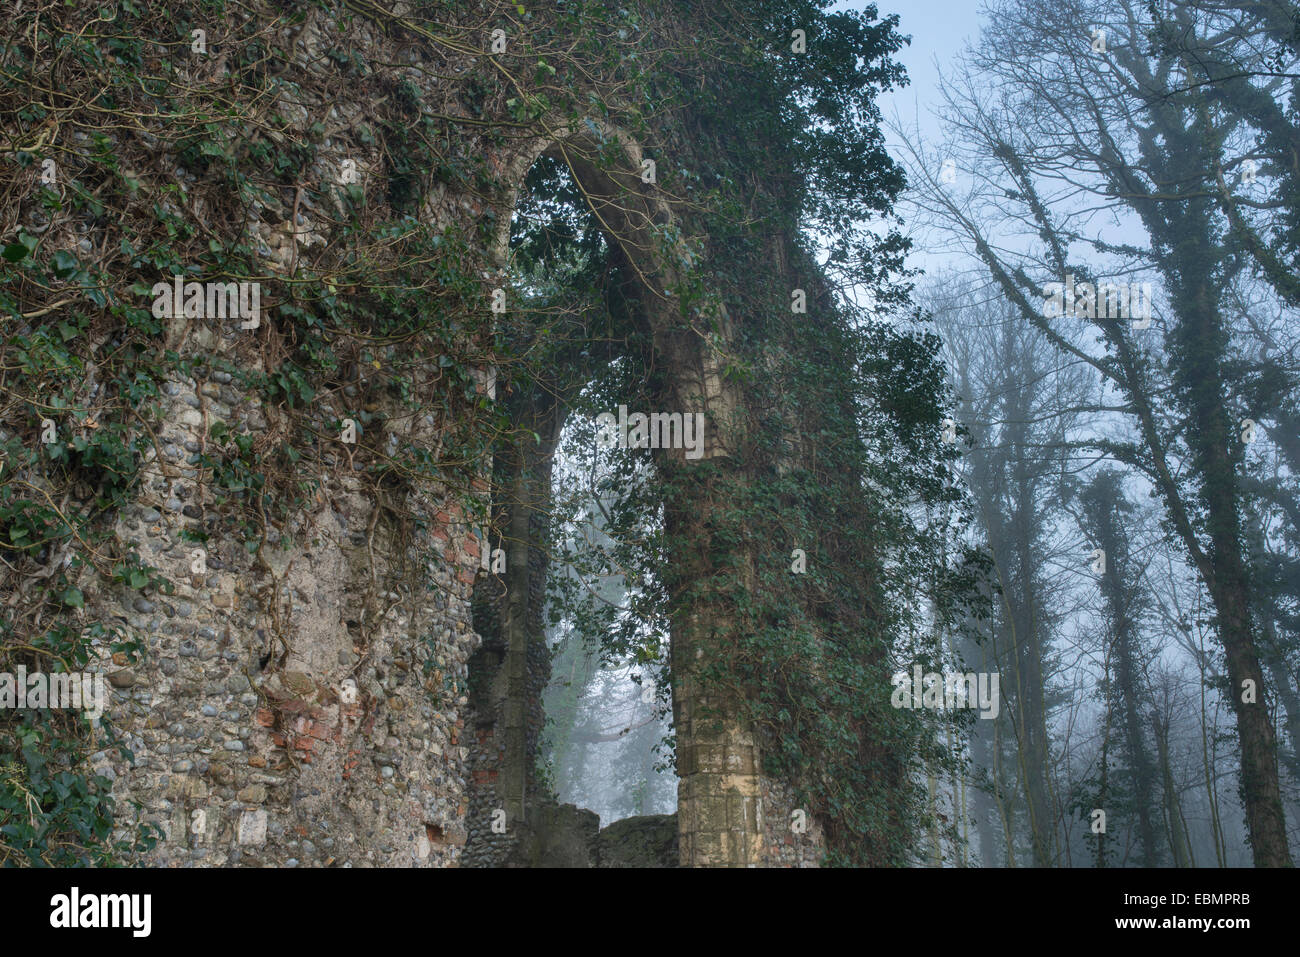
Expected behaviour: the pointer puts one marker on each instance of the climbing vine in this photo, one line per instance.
(199, 155)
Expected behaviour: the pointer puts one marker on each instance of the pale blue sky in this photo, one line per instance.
(939, 29)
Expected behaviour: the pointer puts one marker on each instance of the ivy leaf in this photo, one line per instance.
(73, 598)
(65, 264)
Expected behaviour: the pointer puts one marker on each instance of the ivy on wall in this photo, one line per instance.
(202, 157)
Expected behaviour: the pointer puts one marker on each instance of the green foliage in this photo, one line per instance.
(388, 317)
(774, 144)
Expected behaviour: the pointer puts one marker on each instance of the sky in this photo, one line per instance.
(939, 29)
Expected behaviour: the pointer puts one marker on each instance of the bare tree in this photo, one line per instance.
(1073, 123)
(1017, 409)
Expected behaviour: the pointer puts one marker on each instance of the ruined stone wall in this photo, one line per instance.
(510, 672)
(310, 705)
(313, 712)
(302, 706)
(307, 702)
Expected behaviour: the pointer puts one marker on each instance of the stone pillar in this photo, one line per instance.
(719, 805)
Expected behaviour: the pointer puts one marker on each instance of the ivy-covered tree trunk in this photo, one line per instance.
(1104, 508)
(1198, 342)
